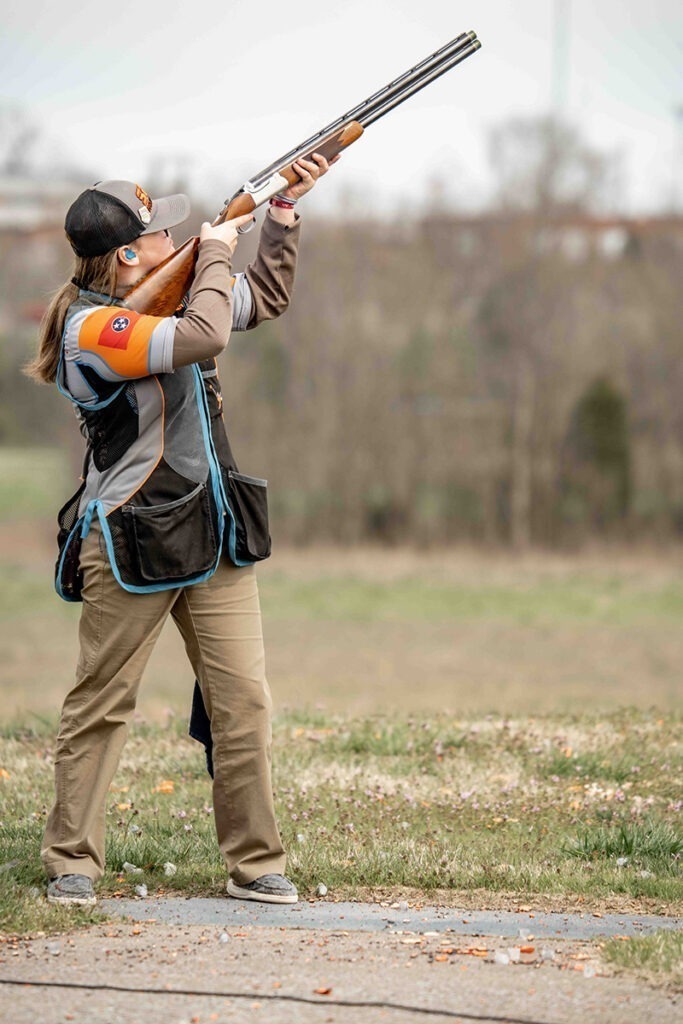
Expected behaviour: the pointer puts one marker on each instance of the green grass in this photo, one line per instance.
(607, 601)
(34, 482)
(362, 630)
(416, 644)
(649, 845)
(591, 765)
(545, 807)
(429, 803)
(657, 958)
(349, 599)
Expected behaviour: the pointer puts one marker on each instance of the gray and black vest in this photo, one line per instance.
(159, 477)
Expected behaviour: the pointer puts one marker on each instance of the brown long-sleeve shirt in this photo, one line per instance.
(219, 302)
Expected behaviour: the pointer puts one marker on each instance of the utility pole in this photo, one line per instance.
(677, 162)
(561, 53)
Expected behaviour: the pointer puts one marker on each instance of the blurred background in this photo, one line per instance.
(470, 418)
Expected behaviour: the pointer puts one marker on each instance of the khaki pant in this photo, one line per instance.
(220, 622)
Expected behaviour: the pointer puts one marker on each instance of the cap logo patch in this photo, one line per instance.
(143, 214)
(120, 324)
(143, 197)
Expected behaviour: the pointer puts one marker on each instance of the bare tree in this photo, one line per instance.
(544, 166)
(19, 137)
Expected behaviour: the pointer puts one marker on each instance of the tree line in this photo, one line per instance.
(510, 377)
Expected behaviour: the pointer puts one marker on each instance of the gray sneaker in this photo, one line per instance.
(71, 890)
(266, 889)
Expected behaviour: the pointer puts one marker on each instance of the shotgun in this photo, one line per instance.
(163, 289)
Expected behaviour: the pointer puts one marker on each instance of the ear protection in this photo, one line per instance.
(130, 254)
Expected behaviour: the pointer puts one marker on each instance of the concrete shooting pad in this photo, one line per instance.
(368, 917)
(181, 959)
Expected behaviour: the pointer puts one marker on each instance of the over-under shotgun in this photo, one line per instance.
(162, 291)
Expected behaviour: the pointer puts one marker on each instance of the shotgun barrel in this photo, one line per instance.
(423, 81)
(161, 291)
(364, 110)
(344, 130)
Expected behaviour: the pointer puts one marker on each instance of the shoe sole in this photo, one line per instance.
(260, 897)
(76, 901)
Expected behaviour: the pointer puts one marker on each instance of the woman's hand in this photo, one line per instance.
(309, 171)
(226, 232)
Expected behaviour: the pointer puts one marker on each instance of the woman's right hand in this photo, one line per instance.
(225, 232)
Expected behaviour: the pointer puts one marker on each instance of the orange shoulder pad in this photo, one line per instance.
(120, 337)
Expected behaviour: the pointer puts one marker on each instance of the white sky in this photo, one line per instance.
(222, 89)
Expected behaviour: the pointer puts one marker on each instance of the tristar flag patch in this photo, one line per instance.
(116, 333)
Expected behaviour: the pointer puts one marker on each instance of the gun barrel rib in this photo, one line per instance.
(394, 101)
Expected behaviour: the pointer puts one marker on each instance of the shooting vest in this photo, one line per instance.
(159, 477)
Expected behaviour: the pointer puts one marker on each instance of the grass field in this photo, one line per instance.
(364, 630)
(550, 811)
(451, 725)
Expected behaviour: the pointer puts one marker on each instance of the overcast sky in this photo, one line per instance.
(223, 88)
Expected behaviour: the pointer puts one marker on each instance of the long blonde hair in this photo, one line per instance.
(97, 274)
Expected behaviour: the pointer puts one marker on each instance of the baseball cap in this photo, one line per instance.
(113, 213)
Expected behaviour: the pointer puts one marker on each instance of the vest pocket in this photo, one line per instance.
(68, 575)
(248, 500)
(174, 540)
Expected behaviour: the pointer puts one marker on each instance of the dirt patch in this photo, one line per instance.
(484, 899)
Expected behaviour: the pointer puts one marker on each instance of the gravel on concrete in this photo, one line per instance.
(245, 971)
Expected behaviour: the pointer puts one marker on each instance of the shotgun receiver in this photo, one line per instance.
(161, 291)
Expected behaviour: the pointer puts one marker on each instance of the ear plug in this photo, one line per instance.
(130, 255)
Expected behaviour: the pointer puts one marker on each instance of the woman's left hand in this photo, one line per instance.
(309, 171)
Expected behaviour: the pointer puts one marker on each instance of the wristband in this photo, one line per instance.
(283, 202)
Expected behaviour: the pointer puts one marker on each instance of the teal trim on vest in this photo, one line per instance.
(222, 507)
(87, 519)
(58, 574)
(149, 588)
(90, 406)
(216, 475)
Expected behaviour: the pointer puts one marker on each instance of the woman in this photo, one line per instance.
(163, 522)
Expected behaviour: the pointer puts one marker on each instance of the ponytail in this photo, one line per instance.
(94, 273)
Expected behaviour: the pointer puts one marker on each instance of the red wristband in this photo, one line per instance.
(282, 205)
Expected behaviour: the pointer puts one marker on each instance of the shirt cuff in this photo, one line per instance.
(276, 230)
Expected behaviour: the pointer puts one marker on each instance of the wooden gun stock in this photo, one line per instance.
(161, 291)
